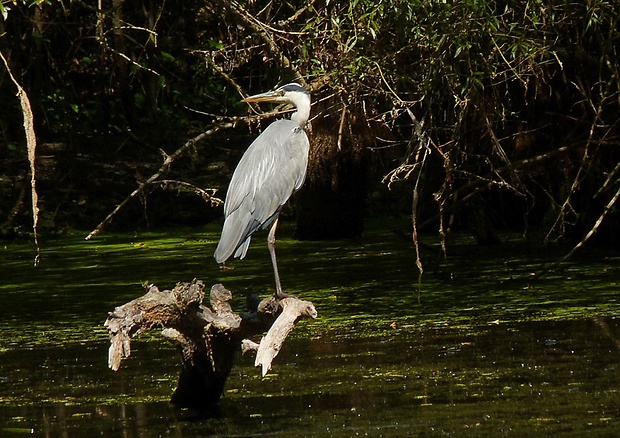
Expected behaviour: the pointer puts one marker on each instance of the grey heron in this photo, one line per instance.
(270, 171)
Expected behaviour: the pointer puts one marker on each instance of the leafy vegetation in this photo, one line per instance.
(489, 115)
(478, 115)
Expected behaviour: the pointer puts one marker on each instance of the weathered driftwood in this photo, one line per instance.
(208, 337)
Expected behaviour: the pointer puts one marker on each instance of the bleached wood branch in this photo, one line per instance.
(207, 336)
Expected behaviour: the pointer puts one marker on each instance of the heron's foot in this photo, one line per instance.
(279, 295)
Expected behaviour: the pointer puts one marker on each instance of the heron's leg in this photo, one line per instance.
(271, 244)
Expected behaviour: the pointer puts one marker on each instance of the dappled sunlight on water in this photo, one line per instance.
(478, 346)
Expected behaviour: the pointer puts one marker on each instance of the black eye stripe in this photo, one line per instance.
(293, 87)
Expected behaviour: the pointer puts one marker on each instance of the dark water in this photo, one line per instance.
(507, 379)
(478, 350)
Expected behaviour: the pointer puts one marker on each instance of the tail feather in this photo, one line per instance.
(243, 248)
(221, 253)
(235, 238)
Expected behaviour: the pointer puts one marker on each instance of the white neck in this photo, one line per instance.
(302, 103)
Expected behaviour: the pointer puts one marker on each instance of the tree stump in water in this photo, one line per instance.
(208, 337)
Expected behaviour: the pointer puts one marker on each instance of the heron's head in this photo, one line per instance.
(292, 93)
(289, 93)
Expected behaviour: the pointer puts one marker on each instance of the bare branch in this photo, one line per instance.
(590, 233)
(169, 159)
(208, 195)
(264, 31)
(31, 143)
(208, 336)
(270, 345)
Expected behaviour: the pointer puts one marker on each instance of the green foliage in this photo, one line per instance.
(513, 104)
(491, 91)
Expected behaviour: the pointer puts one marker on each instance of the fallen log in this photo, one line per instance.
(208, 336)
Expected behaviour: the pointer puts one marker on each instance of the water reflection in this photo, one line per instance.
(498, 379)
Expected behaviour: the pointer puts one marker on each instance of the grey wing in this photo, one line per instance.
(270, 171)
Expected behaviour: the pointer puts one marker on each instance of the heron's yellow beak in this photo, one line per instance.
(270, 96)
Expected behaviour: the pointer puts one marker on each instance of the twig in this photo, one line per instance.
(423, 149)
(219, 70)
(131, 61)
(609, 180)
(590, 233)
(584, 166)
(297, 14)
(474, 185)
(262, 29)
(31, 143)
(341, 126)
(206, 194)
(163, 169)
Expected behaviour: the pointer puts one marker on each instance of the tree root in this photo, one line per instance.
(208, 337)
